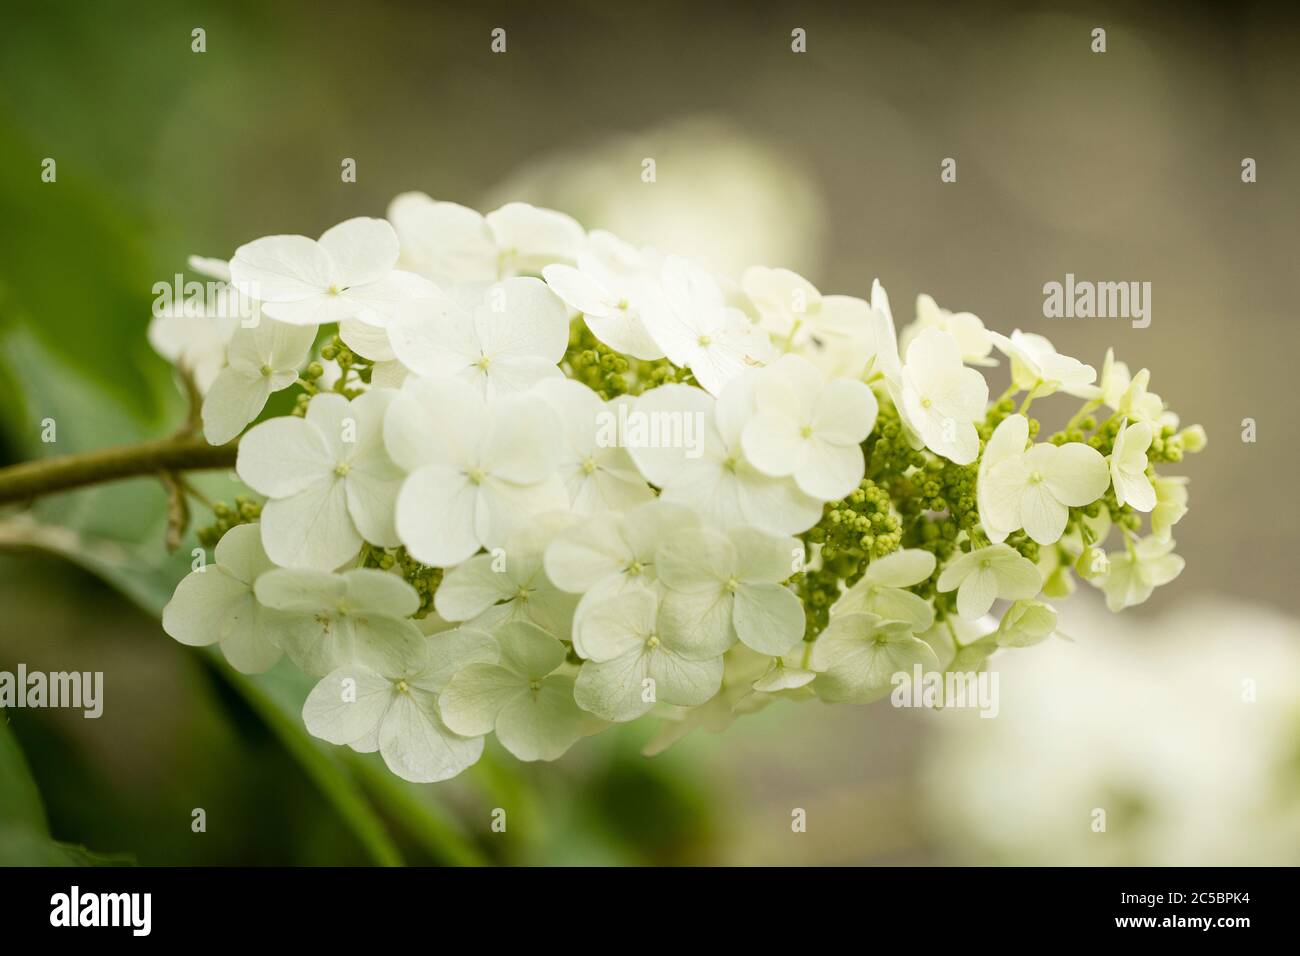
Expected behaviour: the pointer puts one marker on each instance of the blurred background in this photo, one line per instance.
(1117, 166)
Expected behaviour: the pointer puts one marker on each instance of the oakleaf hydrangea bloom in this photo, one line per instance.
(728, 586)
(706, 467)
(1037, 368)
(637, 656)
(510, 584)
(809, 428)
(1137, 571)
(512, 339)
(394, 709)
(973, 340)
(475, 472)
(349, 273)
(1128, 467)
(939, 398)
(858, 655)
(613, 286)
(597, 471)
(359, 615)
(697, 329)
(883, 590)
(535, 482)
(450, 243)
(519, 696)
(259, 361)
(1034, 489)
(330, 482)
(215, 604)
(983, 576)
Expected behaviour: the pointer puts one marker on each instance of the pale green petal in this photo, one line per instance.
(348, 704)
(1026, 623)
(617, 624)
(541, 724)
(698, 626)
(1043, 516)
(580, 558)
(449, 652)
(1076, 475)
(977, 593)
(890, 604)
(768, 618)
(527, 650)
(901, 569)
(615, 689)
(301, 590)
(683, 682)
(199, 611)
(764, 557)
(469, 589)
(373, 591)
(474, 696)
(417, 746)
(1017, 577)
(861, 657)
(696, 561)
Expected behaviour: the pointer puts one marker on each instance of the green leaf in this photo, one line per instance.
(24, 831)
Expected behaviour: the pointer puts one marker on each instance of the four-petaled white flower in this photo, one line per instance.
(697, 329)
(984, 575)
(596, 469)
(514, 338)
(857, 656)
(357, 617)
(260, 361)
(1034, 489)
(1128, 466)
(637, 657)
(216, 605)
(475, 473)
(691, 448)
(809, 428)
(518, 695)
(450, 243)
(1037, 368)
(349, 273)
(394, 709)
(510, 584)
(1138, 570)
(611, 553)
(882, 590)
(794, 312)
(330, 481)
(939, 399)
(720, 588)
(973, 340)
(612, 286)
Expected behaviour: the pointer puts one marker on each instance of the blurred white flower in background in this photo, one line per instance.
(1183, 728)
(719, 196)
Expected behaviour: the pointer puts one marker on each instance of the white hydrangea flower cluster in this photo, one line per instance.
(539, 481)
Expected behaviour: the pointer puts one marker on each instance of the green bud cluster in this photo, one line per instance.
(424, 578)
(609, 373)
(357, 371)
(244, 511)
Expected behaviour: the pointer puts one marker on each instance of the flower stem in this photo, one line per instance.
(33, 479)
